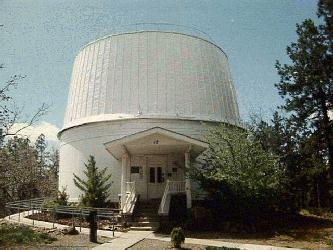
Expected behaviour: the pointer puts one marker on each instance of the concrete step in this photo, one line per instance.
(152, 211)
(150, 203)
(147, 214)
(144, 228)
(145, 224)
(144, 218)
(148, 208)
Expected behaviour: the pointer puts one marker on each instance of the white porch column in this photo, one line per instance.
(123, 178)
(187, 180)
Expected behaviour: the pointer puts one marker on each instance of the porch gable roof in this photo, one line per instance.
(153, 141)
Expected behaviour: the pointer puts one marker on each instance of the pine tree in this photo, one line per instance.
(96, 186)
(307, 83)
(54, 162)
(42, 153)
(300, 153)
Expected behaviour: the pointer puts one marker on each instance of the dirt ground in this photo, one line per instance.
(301, 231)
(280, 240)
(306, 232)
(310, 232)
(46, 216)
(80, 241)
(64, 241)
(161, 245)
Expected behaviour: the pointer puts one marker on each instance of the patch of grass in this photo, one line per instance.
(329, 242)
(222, 248)
(13, 234)
(318, 237)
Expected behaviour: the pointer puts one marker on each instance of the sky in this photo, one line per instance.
(39, 39)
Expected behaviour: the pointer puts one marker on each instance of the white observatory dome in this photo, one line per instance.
(151, 74)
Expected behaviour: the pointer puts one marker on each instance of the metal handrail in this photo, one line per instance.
(37, 205)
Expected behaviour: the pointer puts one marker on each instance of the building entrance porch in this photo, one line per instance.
(155, 163)
(151, 172)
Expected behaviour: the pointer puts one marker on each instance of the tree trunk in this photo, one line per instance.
(327, 131)
(318, 196)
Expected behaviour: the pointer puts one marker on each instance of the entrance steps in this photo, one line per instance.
(146, 217)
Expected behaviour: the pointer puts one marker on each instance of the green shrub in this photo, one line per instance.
(241, 178)
(96, 186)
(49, 204)
(177, 237)
(60, 200)
(62, 197)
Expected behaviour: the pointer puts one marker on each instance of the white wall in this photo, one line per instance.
(80, 142)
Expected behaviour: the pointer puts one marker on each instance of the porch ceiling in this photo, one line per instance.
(155, 141)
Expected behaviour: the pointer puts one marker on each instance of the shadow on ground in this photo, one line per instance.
(297, 227)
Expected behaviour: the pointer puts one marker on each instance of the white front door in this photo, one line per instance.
(156, 166)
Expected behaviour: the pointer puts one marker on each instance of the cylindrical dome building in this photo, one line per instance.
(137, 102)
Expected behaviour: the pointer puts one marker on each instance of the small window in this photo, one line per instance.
(135, 170)
(174, 170)
(152, 175)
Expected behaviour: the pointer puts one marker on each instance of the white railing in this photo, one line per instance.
(171, 187)
(130, 199)
(176, 186)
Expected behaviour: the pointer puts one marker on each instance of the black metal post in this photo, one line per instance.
(80, 218)
(33, 219)
(113, 229)
(73, 223)
(93, 225)
(53, 210)
(97, 222)
(29, 205)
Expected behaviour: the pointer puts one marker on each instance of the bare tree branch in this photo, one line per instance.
(10, 114)
(35, 118)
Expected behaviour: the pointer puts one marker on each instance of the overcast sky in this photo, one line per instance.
(40, 39)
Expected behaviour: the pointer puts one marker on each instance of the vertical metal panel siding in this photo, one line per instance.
(152, 73)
